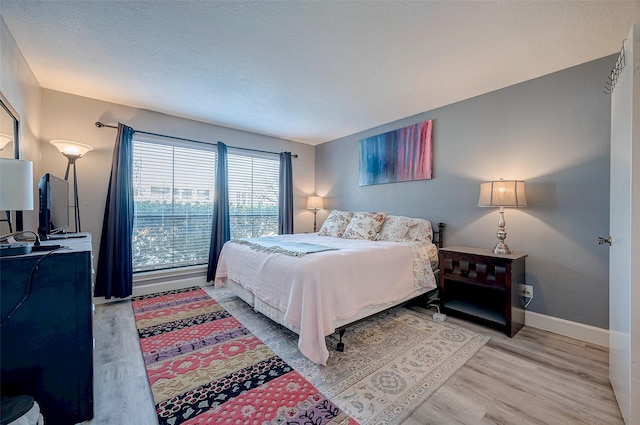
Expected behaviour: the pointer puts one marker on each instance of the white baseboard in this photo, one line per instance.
(568, 328)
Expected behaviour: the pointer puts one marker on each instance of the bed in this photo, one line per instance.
(357, 265)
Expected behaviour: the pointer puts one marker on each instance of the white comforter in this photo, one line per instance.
(319, 288)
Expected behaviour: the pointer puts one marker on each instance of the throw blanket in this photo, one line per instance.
(273, 245)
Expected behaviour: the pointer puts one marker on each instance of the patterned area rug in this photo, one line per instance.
(204, 366)
(392, 363)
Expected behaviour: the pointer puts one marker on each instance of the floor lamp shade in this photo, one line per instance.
(71, 149)
(5, 139)
(502, 194)
(16, 185)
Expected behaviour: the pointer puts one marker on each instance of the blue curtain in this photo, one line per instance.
(221, 228)
(115, 264)
(285, 201)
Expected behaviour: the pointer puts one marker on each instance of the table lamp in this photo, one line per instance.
(16, 194)
(314, 203)
(504, 194)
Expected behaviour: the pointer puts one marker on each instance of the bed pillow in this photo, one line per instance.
(335, 223)
(420, 230)
(395, 228)
(364, 225)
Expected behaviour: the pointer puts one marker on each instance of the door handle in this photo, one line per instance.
(602, 241)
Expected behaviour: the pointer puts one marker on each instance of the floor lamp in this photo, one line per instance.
(72, 151)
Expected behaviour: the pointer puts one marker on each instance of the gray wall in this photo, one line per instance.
(553, 132)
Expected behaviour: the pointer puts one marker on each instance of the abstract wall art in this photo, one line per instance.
(397, 156)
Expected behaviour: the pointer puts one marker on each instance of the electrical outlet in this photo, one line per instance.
(527, 291)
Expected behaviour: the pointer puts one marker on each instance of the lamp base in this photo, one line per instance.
(315, 216)
(19, 248)
(501, 248)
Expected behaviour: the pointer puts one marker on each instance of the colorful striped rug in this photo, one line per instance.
(205, 367)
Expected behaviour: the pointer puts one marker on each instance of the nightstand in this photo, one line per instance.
(478, 285)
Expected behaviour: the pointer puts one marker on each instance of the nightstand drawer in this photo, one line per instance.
(474, 269)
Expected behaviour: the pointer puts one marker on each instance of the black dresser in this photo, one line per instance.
(47, 344)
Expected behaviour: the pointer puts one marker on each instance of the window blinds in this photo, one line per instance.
(174, 193)
(173, 198)
(253, 194)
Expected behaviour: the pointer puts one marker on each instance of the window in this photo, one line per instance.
(253, 194)
(172, 228)
(174, 189)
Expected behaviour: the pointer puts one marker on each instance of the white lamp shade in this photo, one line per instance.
(314, 203)
(72, 149)
(16, 185)
(502, 193)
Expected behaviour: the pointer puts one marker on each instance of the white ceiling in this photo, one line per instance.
(309, 71)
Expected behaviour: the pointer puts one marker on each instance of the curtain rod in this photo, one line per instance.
(100, 125)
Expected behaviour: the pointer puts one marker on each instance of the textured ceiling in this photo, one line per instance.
(301, 70)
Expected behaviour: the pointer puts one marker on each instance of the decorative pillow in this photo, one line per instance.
(364, 225)
(420, 230)
(395, 228)
(335, 224)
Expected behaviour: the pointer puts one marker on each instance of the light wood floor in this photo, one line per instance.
(535, 377)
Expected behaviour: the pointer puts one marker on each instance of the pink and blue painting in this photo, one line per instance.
(397, 156)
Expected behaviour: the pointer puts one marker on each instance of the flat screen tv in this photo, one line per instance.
(54, 205)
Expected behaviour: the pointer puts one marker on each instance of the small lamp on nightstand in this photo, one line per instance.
(314, 203)
(502, 193)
